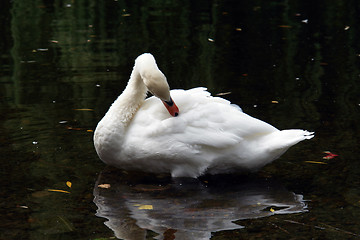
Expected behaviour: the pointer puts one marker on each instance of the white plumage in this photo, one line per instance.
(210, 135)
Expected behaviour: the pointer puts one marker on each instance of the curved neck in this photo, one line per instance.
(131, 99)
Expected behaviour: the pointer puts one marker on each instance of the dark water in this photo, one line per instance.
(289, 63)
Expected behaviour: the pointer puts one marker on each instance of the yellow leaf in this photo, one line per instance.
(272, 210)
(274, 101)
(68, 183)
(144, 206)
(57, 190)
(315, 162)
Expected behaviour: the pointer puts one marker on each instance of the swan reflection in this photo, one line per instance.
(186, 208)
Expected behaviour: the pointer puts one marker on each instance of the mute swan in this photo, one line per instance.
(204, 135)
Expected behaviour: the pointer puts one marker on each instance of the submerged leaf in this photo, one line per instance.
(83, 109)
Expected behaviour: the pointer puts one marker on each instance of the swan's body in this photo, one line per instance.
(210, 135)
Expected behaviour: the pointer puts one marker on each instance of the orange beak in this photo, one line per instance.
(171, 107)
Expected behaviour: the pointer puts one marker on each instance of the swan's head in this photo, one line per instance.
(155, 81)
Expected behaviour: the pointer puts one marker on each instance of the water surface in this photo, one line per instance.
(294, 65)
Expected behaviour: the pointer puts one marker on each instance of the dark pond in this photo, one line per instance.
(294, 64)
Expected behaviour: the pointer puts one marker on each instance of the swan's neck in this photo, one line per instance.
(129, 102)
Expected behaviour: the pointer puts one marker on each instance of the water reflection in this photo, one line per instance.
(186, 208)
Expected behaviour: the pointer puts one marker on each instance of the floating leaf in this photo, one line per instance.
(272, 210)
(315, 162)
(58, 190)
(68, 183)
(329, 155)
(144, 206)
(105, 185)
(274, 101)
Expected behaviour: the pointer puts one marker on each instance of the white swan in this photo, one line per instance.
(209, 135)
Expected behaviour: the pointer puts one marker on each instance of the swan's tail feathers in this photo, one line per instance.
(282, 140)
(309, 135)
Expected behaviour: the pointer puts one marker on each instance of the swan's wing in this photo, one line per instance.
(204, 121)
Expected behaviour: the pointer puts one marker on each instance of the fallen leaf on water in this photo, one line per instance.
(315, 162)
(105, 185)
(274, 101)
(144, 206)
(329, 155)
(272, 210)
(68, 183)
(58, 190)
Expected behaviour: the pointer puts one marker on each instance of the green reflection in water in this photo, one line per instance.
(58, 56)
